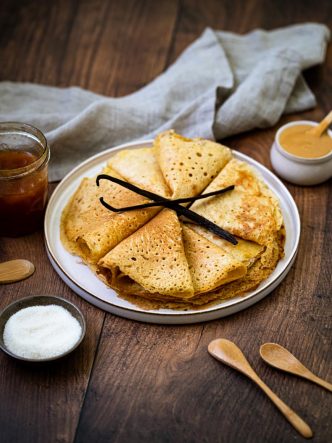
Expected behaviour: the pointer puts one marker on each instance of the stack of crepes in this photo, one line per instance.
(154, 258)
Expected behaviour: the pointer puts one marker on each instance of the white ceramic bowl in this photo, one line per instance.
(299, 170)
(34, 301)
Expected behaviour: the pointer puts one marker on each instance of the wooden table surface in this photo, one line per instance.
(135, 382)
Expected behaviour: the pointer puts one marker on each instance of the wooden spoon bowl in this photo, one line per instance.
(280, 358)
(15, 270)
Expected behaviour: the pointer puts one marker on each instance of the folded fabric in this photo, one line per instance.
(222, 84)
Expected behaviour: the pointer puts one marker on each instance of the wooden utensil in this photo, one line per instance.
(228, 353)
(323, 125)
(15, 270)
(279, 357)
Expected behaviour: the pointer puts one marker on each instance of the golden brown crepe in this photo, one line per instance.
(153, 257)
(250, 211)
(72, 218)
(141, 168)
(90, 230)
(189, 165)
(210, 266)
(246, 252)
(257, 273)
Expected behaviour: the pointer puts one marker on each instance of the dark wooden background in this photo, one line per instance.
(134, 382)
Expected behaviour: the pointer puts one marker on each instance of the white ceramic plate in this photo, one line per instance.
(82, 281)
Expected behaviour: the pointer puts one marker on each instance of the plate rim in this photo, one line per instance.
(175, 314)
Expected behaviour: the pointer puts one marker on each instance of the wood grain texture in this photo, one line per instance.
(132, 382)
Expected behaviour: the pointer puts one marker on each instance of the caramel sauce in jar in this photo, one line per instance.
(24, 157)
(299, 141)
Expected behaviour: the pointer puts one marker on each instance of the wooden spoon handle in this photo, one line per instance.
(296, 421)
(319, 381)
(318, 130)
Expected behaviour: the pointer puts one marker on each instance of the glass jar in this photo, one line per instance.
(24, 157)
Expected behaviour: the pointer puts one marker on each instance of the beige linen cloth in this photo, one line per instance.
(222, 84)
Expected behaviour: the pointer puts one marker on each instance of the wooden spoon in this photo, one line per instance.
(279, 357)
(228, 353)
(15, 270)
(323, 125)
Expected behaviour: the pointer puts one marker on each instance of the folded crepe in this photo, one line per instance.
(141, 168)
(256, 274)
(189, 165)
(90, 230)
(210, 265)
(260, 262)
(246, 252)
(250, 211)
(151, 260)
